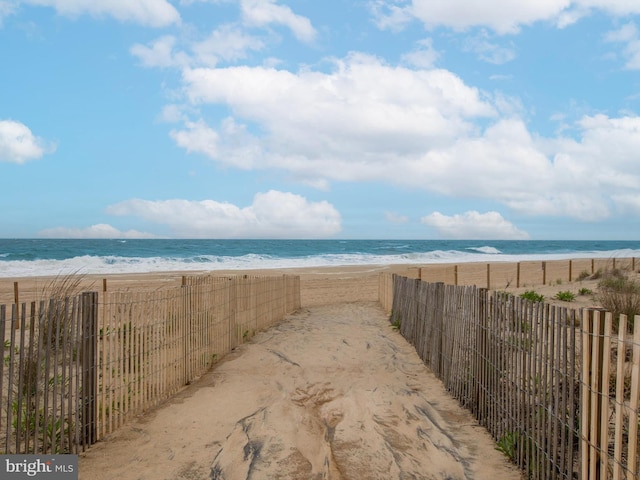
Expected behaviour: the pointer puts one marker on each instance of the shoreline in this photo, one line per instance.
(339, 283)
(314, 281)
(50, 260)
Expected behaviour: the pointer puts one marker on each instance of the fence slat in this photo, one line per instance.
(632, 460)
(603, 395)
(619, 400)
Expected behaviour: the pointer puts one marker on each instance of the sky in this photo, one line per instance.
(430, 119)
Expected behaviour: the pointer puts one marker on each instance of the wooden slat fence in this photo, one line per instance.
(502, 275)
(540, 378)
(78, 368)
(47, 375)
(610, 395)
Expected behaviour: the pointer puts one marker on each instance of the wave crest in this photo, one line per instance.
(486, 249)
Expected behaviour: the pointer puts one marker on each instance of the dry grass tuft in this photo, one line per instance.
(619, 293)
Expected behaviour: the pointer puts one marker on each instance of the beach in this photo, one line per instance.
(330, 284)
(318, 285)
(331, 392)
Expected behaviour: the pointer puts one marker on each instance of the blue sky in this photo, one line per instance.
(500, 119)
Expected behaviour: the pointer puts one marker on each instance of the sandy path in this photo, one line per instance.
(331, 393)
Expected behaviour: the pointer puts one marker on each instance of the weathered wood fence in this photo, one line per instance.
(537, 376)
(75, 369)
(501, 275)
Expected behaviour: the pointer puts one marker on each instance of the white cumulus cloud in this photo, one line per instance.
(627, 34)
(490, 51)
(613, 7)
(265, 12)
(473, 225)
(153, 13)
(602, 163)
(501, 16)
(272, 214)
(100, 230)
(19, 145)
(160, 53)
(423, 56)
(338, 124)
(6, 8)
(414, 127)
(227, 43)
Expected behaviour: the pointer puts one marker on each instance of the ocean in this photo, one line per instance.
(50, 257)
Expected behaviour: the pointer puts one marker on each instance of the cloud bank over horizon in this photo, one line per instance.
(272, 214)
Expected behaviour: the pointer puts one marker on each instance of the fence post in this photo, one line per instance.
(570, 270)
(518, 275)
(89, 404)
(488, 276)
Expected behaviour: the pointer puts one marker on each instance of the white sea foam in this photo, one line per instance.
(117, 264)
(486, 249)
